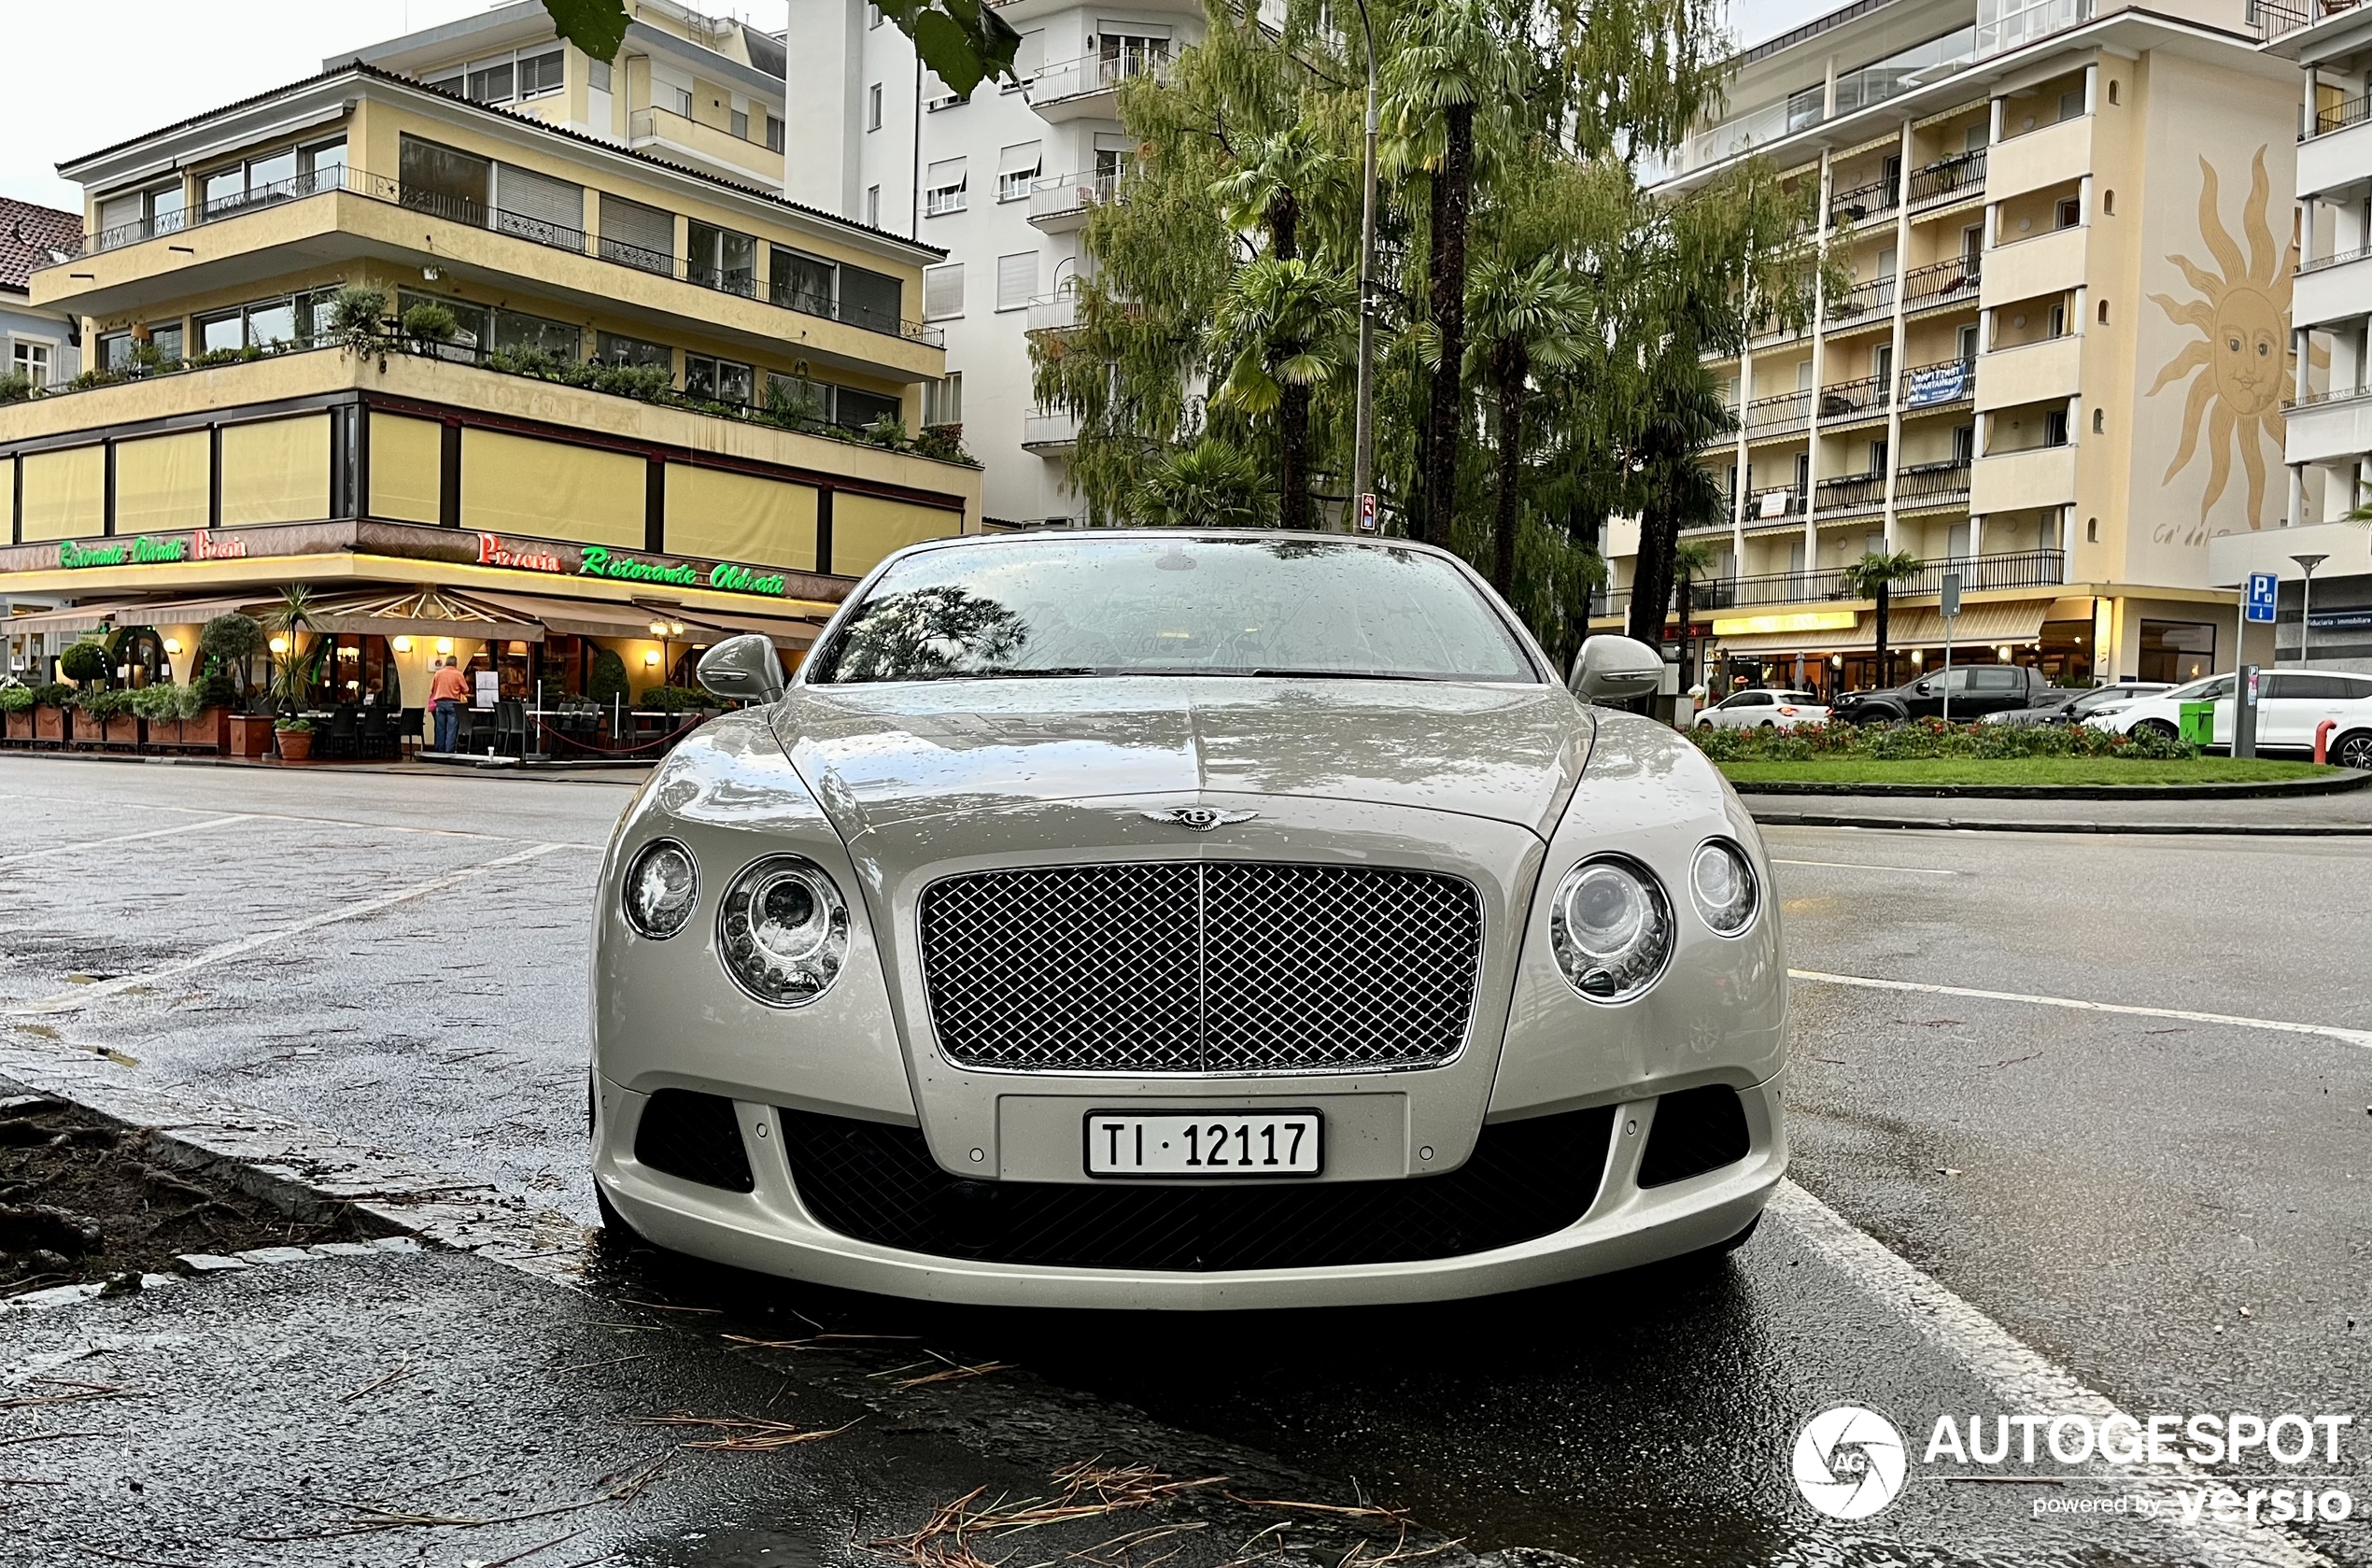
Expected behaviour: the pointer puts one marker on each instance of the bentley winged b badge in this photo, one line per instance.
(1202, 819)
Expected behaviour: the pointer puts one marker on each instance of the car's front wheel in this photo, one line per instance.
(2354, 750)
(2156, 726)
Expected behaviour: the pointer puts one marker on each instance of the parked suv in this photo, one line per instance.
(1975, 690)
(2292, 704)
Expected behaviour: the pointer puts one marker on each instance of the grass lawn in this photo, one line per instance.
(2038, 770)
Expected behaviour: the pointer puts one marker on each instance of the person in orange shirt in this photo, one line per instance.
(448, 689)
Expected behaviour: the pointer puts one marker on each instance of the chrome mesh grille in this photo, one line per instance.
(1200, 967)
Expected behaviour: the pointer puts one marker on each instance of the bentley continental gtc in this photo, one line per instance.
(1176, 920)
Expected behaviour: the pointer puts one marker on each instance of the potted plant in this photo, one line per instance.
(206, 705)
(295, 735)
(16, 712)
(52, 714)
(112, 721)
(228, 644)
(157, 706)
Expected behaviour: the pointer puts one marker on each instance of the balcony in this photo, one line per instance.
(2329, 427)
(1863, 203)
(345, 213)
(711, 148)
(2054, 154)
(1948, 182)
(1086, 87)
(1850, 495)
(1054, 313)
(2026, 569)
(1949, 283)
(1062, 204)
(2333, 287)
(1049, 435)
(2050, 370)
(2339, 150)
(2015, 481)
(1852, 401)
(1769, 418)
(2050, 263)
(1937, 487)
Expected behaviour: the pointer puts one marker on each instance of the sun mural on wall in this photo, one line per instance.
(2241, 360)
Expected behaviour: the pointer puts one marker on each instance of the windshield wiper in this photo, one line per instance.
(1332, 675)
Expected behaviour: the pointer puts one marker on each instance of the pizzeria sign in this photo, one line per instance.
(601, 561)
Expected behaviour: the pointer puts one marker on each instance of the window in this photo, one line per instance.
(2099, 422)
(1964, 443)
(36, 361)
(597, 75)
(1997, 678)
(2055, 427)
(1017, 170)
(538, 208)
(2092, 531)
(296, 171)
(1968, 342)
(2071, 213)
(774, 133)
(854, 410)
(721, 259)
(518, 333)
(472, 325)
(943, 400)
(810, 400)
(721, 379)
(937, 94)
(1016, 280)
(872, 17)
(799, 282)
(873, 205)
(1131, 54)
(2071, 104)
(115, 350)
(637, 235)
(138, 214)
(943, 187)
(871, 299)
(540, 73)
(449, 184)
(616, 348)
(288, 319)
(740, 125)
(2058, 319)
(873, 107)
(943, 292)
(492, 82)
(2107, 203)
(683, 102)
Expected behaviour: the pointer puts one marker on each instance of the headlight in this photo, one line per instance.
(1723, 884)
(1611, 930)
(783, 930)
(662, 885)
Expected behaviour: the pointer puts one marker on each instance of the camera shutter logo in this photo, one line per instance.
(1849, 1463)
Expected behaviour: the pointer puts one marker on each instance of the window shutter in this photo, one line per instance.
(1023, 158)
(1016, 279)
(537, 207)
(945, 175)
(1030, 58)
(644, 236)
(943, 292)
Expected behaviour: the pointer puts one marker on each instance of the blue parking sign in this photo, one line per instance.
(2262, 590)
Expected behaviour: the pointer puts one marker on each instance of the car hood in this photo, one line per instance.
(880, 755)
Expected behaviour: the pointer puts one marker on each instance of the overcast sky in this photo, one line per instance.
(91, 73)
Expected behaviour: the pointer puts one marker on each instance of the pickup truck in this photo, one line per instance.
(1975, 690)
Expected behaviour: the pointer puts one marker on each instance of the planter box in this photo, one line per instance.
(209, 731)
(120, 729)
(19, 726)
(296, 745)
(250, 734)
(52, 725)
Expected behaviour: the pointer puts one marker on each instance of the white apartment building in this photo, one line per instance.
(1002, 182)
(2328, 445)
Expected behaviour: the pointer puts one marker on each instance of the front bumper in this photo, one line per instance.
(769, 1230)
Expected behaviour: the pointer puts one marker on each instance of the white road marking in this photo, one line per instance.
(2328, 1031)
(1864, 866)
(83, 995)
(2023, 1380)
(125, 838)
(289, 816)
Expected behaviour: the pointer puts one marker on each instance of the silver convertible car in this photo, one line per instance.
(1176, 920)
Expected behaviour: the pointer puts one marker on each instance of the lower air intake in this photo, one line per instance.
(696, 1136)
(1695, 1131)
(879, 1184)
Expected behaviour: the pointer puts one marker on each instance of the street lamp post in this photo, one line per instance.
(1364, 515)
(2306, 605)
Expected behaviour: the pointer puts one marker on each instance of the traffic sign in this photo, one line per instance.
(2264, 588)
(1949, 604)
(1367, 513)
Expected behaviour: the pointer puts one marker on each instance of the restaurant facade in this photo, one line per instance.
(598, 444)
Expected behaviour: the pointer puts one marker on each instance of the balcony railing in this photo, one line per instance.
(2272, 19)
(2028, 569)
(2339, 116)
(1774, 415)
(1851, 492)
(1931, 484)
(1060, 195)
(1948, 179)
(1856, 400)
(1054, 313)
(2337, 258)
(477, 215)
(1094, 72)
(1863, 201)
(1946, 282)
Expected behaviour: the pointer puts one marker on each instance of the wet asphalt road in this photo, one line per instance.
(2173, 1211)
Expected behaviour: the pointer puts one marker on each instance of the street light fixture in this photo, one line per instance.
(1364, 514)
(2306, 564)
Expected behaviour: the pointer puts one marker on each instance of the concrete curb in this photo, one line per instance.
(2345, 781)
(1982, 825)
(577, 773)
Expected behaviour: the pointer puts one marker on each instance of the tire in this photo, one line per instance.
(2159, 726)
(1704, 724)
(2354, 750)
(1770, 724)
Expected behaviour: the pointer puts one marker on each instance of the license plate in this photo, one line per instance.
(1124, 1143)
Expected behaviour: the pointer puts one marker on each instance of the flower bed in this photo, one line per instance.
(1924, 738)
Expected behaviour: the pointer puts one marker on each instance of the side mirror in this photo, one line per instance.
(742, 669)
(1924, 688)
(1615, 669)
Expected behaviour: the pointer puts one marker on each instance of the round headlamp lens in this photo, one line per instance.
(782, 930)
(662, 885)
(1611, 930)
(1723, 881)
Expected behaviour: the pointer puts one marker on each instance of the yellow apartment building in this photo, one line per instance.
(475, 486)
(2059, 365)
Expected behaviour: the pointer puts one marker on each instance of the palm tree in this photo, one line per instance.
(1522, 317)
(1275, 183)
(1285, 322)
(1207, 484)
(1690, 561)
(1872, 577)
(1681, 414)
(1446, 60)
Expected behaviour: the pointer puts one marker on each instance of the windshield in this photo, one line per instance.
(1182, 606)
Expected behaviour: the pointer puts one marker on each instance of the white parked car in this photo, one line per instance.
(1177, 920)
(2074, 707)
(1761, 709)
(2290, 705)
